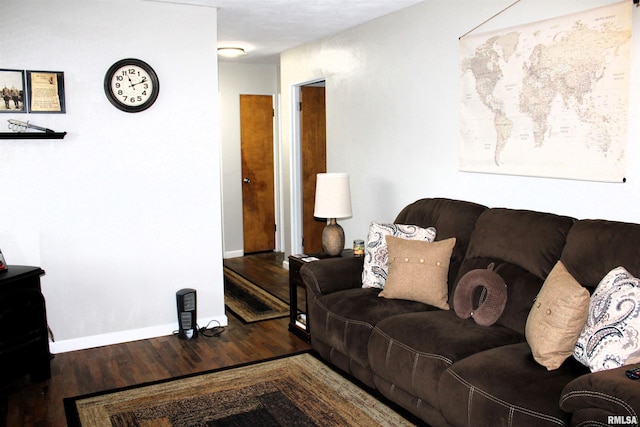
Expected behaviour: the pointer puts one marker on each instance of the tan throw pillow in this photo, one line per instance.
(418, 271)
(556, 318)
(375, 267)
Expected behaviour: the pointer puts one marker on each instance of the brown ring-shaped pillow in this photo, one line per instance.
(489, 310)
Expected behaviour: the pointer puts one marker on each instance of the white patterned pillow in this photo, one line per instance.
(376, 260)
(609, 339)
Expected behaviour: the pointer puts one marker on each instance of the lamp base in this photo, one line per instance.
(333, 238)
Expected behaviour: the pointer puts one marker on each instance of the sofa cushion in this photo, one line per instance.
(491, 302)
(532, 240)
(505, 386)
(451, 218)
(524, 245)
(556, 318)
(593, 398)
(595, 247)
(418, 271)
(416, 406)
(412, 350)
(344, 320)
(609, 338)
(375, 269)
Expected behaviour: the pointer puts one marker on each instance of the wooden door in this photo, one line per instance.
(314, 153)
(256, 142)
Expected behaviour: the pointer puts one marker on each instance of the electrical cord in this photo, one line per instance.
(211, 332)
(208, 331)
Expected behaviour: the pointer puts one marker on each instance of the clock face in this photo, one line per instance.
(131, 85)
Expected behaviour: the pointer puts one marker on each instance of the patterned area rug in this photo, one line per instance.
(297, 390)
(250, 302)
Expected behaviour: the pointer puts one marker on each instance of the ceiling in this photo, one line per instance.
(265, 28)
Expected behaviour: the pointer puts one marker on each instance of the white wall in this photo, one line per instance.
(237, 79)
(125, 210)
(392, 115)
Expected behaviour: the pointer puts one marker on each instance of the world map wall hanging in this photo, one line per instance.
(549, 98)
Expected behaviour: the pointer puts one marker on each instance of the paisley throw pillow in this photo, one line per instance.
(376, 254)
(609, 339)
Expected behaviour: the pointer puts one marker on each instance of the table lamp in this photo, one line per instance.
(333, 200)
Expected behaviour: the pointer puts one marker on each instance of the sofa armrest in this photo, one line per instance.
(330, 275)
(598, 396)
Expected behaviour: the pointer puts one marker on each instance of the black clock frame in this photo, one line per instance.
(113, 98)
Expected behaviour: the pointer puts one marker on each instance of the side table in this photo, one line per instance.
(298, 322)
(24, 334)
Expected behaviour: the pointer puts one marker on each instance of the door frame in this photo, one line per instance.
(277, 176)
(296, 166)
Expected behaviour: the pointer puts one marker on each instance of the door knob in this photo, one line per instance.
(246, 180)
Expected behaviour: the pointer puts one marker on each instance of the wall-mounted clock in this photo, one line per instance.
(131, 85)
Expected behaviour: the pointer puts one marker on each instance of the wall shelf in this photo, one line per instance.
(32, 135)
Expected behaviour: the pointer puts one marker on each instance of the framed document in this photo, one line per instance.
(12, 91)
(46, 91)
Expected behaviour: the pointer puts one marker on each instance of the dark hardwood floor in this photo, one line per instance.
(264, 269)
(97, 369)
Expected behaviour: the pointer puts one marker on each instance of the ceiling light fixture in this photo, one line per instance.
(231, 52)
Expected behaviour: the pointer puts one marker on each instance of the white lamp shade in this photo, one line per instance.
(333, 196)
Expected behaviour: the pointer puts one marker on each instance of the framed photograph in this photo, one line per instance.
(45, 91)
(12, 90)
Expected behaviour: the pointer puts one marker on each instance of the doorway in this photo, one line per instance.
(313, 131)
(257, 157)
(310, 152)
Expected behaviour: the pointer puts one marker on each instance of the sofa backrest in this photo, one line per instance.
(524, 246)
(451, 218)
(595, 247)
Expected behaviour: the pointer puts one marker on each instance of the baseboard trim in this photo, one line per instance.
(234, 254)
(126, 336)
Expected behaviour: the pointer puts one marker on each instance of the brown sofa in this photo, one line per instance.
(450, 371)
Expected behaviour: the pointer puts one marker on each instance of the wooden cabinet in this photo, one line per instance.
(297, 316)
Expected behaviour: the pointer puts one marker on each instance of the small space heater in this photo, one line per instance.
(186, 300)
